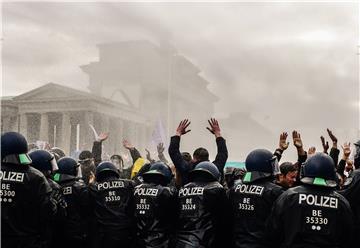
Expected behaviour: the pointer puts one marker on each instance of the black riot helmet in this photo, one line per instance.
(14, 148)
(69, 166)
(106, 169)
(319, 170)
(158, 173)
(205, 171)
(260, 163)
(43, 161)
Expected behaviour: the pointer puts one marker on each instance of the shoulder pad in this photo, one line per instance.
(188, 184)
(34, 171)
(128, 181)
(170, 189)
(213, 185)
(53, 184)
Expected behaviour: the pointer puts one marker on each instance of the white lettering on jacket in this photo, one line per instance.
(110, 185)
(146, 192)
(191, 191)
(11, 176)
(316, 200)
(249, 189)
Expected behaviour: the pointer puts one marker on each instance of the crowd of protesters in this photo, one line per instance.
(49, 199)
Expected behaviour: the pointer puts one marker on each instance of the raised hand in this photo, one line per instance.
(127, 144)
(92, 178)
(332, 136)
(214, 127)
(297, 140)
(160, 148)
(148, 156)
(346, 150)
(311, 151)
(102, 137)
(325, 145)
(283, 145)
(181, 129)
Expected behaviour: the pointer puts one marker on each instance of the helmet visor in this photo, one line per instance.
(78, 171)
(275, 166)
(54, 166)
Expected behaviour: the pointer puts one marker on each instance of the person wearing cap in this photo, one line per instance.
(155, 207)
(312, 214)
(111, 199)
(202, 207)
(252, 198)
(25, 196)
(75, 225)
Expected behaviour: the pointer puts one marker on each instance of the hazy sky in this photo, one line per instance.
(289, 64)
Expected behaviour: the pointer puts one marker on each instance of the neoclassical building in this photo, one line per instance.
(62, 116)
(133, 85)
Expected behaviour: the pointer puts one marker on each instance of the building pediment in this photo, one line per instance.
(52, 91)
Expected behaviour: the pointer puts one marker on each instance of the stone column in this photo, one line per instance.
(14, 124)
(126, 130)
(105, 127)
(65, 133)
(139, 140)
(105, 123)
(44, 127)
(23, 126)
(132, 132)
(6, 123)
(86, 134)
(144, 140)
(121, 132)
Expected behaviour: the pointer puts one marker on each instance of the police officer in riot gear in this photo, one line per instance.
(45, 162)
(251, 199)
(202, 204)
(155, 206)
(351, 191)
(112, 200)
(75, 225)
(312, 214)
(26, 204)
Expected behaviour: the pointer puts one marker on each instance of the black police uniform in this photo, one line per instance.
(112, 200)
(76, 224)
(202, 205)
(26, 206)
(251, 200)
(251, 205)
(313, 214)
(55, 226)
(45, 162)
(155, 207)
(351, 192)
